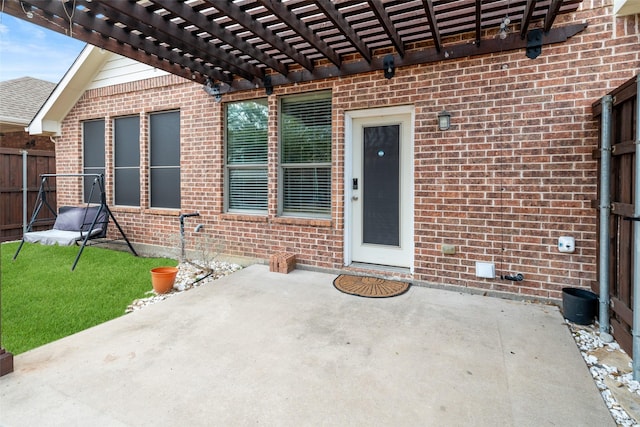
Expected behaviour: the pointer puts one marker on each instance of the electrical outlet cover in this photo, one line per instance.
(566, 244)
(448, 249)
(486, 270)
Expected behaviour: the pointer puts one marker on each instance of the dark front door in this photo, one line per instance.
(381, 193)
(381, 196)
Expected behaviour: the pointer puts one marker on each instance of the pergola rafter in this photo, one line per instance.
(526, 17)
(433, 24)
(297, 26)
(240, 42)
(160, 28)
(237, 14)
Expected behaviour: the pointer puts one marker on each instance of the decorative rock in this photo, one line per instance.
(190, 275)
(606, 377)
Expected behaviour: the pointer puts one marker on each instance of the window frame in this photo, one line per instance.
(230, 167)
(117, 168)
(282, 166)
(151, 167)
(92, 169)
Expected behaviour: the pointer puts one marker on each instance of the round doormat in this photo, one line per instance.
(371, 287)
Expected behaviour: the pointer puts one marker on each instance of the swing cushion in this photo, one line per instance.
(71, 218)
(72, 224)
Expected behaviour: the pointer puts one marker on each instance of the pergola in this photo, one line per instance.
(264, 43)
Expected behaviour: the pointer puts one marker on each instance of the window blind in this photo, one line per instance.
(247, 155)
(305, 135)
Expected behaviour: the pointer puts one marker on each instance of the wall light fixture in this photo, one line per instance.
(389, 66)
(213, 89)
(444, 120)
(268, 85)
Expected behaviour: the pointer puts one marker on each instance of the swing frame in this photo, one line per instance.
(41, 201)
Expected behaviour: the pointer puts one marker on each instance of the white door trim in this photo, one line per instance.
(350, 116)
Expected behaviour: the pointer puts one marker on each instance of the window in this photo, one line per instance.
(305, 158)
(126, 132)
(246, 157)
(93, 156)
(164, 140)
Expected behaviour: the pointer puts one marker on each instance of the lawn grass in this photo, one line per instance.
(43, 300)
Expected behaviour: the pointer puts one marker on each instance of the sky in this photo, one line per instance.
(29, 50)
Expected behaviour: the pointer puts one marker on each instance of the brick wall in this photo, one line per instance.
(514, 172)
(25, 141)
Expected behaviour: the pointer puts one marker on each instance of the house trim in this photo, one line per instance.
(626, 7)
(94, 68)
(48, 120)
(350, 116)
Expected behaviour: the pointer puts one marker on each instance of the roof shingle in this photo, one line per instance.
(20, 99)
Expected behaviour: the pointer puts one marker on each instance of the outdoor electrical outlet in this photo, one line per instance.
(566, 244)
(486, 270)
(448, 249)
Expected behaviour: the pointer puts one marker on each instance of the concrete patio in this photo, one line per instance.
(261, 348)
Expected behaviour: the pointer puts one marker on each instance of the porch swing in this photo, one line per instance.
(73, 224)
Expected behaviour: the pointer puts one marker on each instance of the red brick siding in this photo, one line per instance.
(513, 173)
(26, 141)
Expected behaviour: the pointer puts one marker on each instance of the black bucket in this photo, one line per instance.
(579, 305)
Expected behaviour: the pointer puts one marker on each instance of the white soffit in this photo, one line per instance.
(626, 7)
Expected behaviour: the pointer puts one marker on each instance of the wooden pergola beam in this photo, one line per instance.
(554, 8)
(205, 25)
(385, 21)
(241, 42)
(433, 25)
(460, 50)
(91, 29)
(167, 32)
(341, 24)
(526, 17)
(237, 14)
(478, 22)
(292, 21)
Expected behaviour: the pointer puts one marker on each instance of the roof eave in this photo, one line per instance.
(13, 121)
(626, 7)
(48, 120)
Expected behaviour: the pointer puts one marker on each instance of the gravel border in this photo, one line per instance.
(190, 275)
(587, 339)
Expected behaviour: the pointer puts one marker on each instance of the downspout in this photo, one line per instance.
(636, 250)
(24, 191)
(605, 215)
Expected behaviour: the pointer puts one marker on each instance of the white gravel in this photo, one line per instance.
(190, 275)
(588, 340)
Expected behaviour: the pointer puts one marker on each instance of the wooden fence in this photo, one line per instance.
(620, 247)
(11, 189)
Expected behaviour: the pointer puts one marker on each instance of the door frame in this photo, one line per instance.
(349, 117)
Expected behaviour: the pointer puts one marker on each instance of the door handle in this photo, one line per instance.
(354, 198)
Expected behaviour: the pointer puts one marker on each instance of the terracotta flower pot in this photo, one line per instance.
(163, 278)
